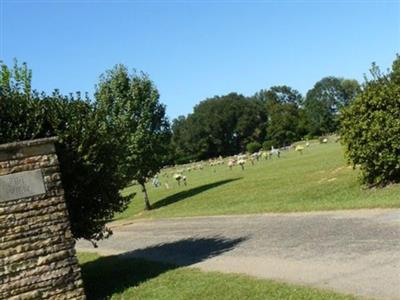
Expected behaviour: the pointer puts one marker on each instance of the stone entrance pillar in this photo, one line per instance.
(37, 255)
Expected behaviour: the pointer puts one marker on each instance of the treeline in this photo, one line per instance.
(279, 116)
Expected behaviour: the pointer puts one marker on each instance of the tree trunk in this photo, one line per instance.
(146, 197)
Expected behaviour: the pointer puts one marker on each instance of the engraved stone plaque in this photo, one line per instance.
(21, 185)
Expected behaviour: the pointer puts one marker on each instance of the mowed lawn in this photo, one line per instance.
(318, 179)
(119, 277)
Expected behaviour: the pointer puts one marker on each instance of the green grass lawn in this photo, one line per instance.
(119, 277)
(319, 179)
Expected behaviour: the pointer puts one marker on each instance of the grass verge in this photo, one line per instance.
(120, 277)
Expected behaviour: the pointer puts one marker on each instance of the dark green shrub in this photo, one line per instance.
(267, 145)
(89, 153)
(370, 128)
(253, 147)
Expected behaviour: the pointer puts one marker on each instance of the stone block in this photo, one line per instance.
(37, 255)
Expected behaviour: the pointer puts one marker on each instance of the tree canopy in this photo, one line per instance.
(283, 107)
(138, 121)
(325, 100)
(219, 126)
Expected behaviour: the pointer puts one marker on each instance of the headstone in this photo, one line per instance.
(37, 255)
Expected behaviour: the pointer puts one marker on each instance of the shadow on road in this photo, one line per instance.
(106, 276)
(187, 251)
(189, 193)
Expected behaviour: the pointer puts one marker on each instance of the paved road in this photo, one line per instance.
(356, 252)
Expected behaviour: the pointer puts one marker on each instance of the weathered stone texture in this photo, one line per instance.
(37, 254)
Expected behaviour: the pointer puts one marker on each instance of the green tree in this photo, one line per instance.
(16, 79)
(181, 141)
(222, 125)
(90, 163)
(253, 147)
(139, 121)
(325, 100)
(280, 94)
(283, 106)
(20, 117)
(370, 128)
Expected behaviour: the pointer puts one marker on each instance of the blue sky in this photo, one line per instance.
(197, 49)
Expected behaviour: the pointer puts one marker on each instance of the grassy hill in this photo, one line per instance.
(318, 179)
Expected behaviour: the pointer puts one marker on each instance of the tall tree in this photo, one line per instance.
(325, 100)
(181, 142)
(139, 120)
(282, 104)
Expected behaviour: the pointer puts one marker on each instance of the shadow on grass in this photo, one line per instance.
(189, 193)
(109, 275)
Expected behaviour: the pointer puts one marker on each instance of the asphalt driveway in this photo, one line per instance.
(356, 252)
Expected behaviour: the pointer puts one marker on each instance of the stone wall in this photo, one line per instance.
(37, 255)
